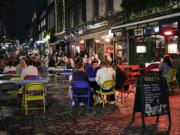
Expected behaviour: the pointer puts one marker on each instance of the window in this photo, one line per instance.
(96, 7)
(39, 27)
(172, 48)
(80, 13)
(71, 19)
(60, 16)
(50, 1)
(51, 20)
(141, 49)
(109, 5)
(43, 23)
(151, 30)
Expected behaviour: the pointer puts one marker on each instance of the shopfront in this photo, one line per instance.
(149, 40)
(97, 42)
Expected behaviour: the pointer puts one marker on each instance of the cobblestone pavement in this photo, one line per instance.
(60, 119)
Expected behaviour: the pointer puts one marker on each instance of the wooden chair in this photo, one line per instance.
(124, 93)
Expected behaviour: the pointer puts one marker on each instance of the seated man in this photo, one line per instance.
(92, 69)
(104, 74)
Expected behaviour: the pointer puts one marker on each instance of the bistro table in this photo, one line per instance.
(24, 82)
(14, 75)
(55, 70)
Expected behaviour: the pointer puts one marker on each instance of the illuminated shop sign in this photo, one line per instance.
(151, 30)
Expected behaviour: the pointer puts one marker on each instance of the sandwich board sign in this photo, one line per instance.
(152, 98)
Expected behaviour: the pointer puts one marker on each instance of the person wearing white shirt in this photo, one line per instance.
(105, 73)
(31, 70)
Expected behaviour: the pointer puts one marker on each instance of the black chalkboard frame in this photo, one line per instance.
(139, 103)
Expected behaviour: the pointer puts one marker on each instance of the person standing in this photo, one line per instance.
(165, 66)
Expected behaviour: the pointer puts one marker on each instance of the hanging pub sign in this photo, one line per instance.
(152, 98)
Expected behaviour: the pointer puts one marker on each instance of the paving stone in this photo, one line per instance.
(60, 119)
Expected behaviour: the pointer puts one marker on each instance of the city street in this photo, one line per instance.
(61, 120)
(120, 60)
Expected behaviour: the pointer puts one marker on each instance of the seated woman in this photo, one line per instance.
(165, 66)
(120, 77)
(80, 75)
(30, 70)
(9, 68)
(21, 66)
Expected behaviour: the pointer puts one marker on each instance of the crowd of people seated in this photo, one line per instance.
(83, 68)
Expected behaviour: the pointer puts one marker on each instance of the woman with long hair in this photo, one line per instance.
(165, 66)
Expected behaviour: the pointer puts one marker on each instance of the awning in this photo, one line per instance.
(94, 35)
(55, 43)
(146, 21)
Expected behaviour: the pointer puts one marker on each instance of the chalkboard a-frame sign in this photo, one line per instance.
(152, 98)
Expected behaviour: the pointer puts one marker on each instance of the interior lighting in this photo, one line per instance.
(172, 48)
(107, 40)
(81, 42)
(168, 33)
(97, 41)
(156, 29)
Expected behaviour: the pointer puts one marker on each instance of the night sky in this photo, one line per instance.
(23, 13)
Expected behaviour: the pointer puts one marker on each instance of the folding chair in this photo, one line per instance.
(107, 89)
(135, 71)
(20, 92)
(63, 77)
(172, 80)
(34, 92)
(8, 92)
(123, 94)
(52, 75)
(81, 89)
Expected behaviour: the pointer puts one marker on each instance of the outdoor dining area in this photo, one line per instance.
(61, 93)
(30, 85)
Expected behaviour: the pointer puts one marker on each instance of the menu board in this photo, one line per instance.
(152, 97)
(155, 96)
